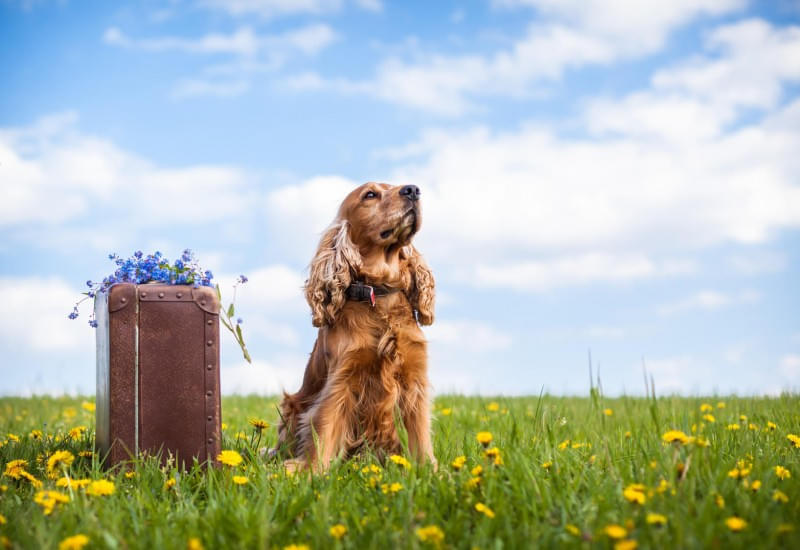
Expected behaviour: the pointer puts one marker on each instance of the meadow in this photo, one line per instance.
(541, 471)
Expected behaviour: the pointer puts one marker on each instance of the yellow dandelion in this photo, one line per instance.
(194, 543)
(635, 493)
(493, 407)
(656, 519)
(743, 418)
(57, 461)
(296, 547)
(485, 510)
(675, 436)
(755, 486)
(719, 501)
(721, 405)
(67, 483)
(401, 461)
(628, 434)
(706, 407)
(732, 427)
(230, 458)
(338, 531)
(473, 482)
(780, 496)
(258, 424)
(563, 445)
(446, 412)
(627, 544)
(700, 442)
(75, 542)
(87, 406)
(33, 481)
(373, 468)
(484, 438)
(77, 432)
(615, 531)
(709, 418)
(36, 434)
(572, 530)
(3, 519)
(477, 470)
(547, 465)
(430, 533)
(735, 523)
(782, 472)
(771, 426)
(99, 488)
(12, 437)
(48, 500)
(170, 483)
(14, 467)
(130, 475)
(795, 439)
(753, 427)
(459, 462)
(241, 480)
(608, 412)
(492, 453)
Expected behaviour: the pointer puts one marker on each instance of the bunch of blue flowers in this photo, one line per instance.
(140, 269)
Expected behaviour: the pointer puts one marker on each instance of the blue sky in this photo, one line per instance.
(617, 176)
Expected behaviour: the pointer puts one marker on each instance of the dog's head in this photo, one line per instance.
(371, 238)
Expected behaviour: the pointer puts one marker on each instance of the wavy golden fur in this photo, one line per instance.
(368, 367)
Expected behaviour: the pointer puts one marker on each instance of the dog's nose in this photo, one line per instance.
(410, 191)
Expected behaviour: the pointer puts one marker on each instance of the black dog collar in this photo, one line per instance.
(362, 292)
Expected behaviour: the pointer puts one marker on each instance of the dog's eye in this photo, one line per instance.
(370, 195)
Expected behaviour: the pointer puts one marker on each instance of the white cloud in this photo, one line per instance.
(544, 275)
(307, 208)
(36, 319)
(277, 8)
(51, 174)
(751, 61)
(253, 54)
(469, 335)
(681, 374)
(264, 377)
(709, 300)
(757, 262)
(790, 368)
(567, 35)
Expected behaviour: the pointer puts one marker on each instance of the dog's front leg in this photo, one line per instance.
(328, 427)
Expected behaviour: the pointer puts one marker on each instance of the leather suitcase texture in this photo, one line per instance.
(158, 372)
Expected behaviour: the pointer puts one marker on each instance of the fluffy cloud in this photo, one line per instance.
(709, 300)
(37, 317)
(566, 35)
(275, 8)
(253, 54)
(50, 174)
(461, 334)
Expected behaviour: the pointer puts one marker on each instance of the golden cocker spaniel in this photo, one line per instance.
(369, 290)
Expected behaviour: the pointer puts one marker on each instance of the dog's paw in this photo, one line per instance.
(294, 465)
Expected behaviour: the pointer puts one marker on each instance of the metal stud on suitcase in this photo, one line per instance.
(158, 372)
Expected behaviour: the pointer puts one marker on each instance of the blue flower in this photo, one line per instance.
(92, 323)
(74, 314)
(239, 321)
(243, 279)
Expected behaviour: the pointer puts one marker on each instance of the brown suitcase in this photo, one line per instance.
(158, 372)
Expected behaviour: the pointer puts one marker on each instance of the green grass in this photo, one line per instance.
(533, 505)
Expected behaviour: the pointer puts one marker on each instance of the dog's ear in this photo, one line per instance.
(421, 287)
(330, 273)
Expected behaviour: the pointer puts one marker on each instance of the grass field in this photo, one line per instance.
(579, 472)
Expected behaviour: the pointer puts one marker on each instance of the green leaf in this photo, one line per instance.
(239, 333)
(246, 355)
(230, 310)
(219, 293)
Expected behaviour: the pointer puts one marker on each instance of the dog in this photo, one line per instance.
(369, 291)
